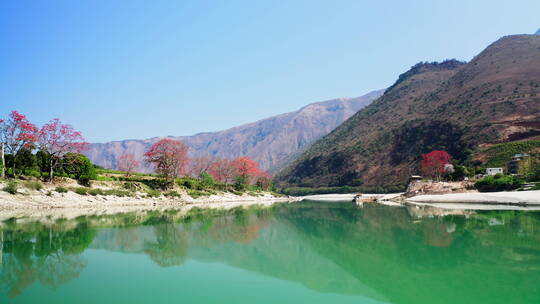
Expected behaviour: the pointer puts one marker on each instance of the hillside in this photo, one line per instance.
(272, 142)
(453, 106)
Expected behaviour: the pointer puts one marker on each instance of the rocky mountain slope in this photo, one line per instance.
(454, 106)
(272, 142)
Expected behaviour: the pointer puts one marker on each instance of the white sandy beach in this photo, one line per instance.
(513, 197)
(71, 205)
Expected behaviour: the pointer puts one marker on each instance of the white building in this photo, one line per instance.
(493, 171)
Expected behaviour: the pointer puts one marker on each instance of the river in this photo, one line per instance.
(306, 252)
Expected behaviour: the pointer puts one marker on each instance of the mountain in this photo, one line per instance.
(272, 142)
(537, 32)
(453, 106)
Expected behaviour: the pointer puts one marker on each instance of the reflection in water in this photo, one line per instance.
(49, 255)
(390, 254)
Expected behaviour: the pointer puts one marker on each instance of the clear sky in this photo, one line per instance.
(136, 69)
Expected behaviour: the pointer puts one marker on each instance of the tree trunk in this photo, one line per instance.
(51, 172)
(3, 174)
(14, 164)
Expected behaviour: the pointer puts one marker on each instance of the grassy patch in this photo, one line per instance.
(152, 193)
(11, 187)
(199, 193)
(172, 194)
(33, 185)
(61, 189)
(81, 191)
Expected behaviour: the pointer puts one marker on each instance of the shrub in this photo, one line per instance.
(172, 194)
(35, 185)
(131, 186)
(153, 193)
(498, 183)
(197, 193)
(11, 187)
(61, 189)
(81, 191)
(103, 178)
(207, 180)
(189, 183)
(95, 192)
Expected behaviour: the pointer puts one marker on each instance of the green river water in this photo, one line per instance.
(307, 252)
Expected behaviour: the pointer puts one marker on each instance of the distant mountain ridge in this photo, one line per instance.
(454, 106)
(273, 142)
(537, 32)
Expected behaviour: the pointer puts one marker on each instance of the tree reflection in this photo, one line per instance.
(49, 255)
(171, 245)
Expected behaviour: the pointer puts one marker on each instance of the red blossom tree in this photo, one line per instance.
(246, 169)
(433, 163)
(128, 163)
(169, 157)
(222, 170)
(16, 133)
(59, 139)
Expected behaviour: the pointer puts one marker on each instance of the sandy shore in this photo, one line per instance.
(514, 197)
(515, 200)
(70, 205)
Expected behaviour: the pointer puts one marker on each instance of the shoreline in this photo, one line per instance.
(71, 205)
(525, 198)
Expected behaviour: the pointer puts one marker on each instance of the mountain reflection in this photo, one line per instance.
(389, 254)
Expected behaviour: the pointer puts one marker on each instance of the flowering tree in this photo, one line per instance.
(246, 169)
(128, 163)
(59, 139)
(200, 165)
(222, 170)
(263, 180)
(434, 163)
(16, 133)
(168, 156)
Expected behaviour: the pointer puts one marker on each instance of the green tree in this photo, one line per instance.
(79, 167)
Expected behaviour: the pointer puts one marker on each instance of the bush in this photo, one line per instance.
(131, 186)
(207, 180)
(197, 193)
(172, 194)
(81, 191)
(153, 193)
(61, 189)
(34, 185)
(95, 192)
(189, 183)
(10, 187)
(498, 183)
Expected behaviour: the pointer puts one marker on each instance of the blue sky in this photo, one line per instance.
(138, 69)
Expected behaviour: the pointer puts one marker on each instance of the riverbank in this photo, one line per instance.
(508, 197)
(511, 200)
(67, 203)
